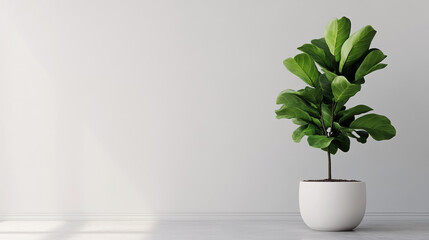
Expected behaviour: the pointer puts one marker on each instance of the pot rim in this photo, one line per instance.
(315, 182)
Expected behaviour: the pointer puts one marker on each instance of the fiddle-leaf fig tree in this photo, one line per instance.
(319, 109)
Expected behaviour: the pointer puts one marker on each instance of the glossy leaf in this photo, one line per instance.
(332, 148)
(292, 112)
(356, 46)
(340, 106)
(361, 81)
(303, 66)
(298, 134)
(299, 121)
(336, 33)
(319, 141)
(378, 126)
(359, 109)
(327, 114)
(290, 99)
(321, 43)
(316, 122)
(370, 63)
(309, 94)
(330, 59)
(376, 67)
(363, 136)
(325, 86)
(348, 121)
(343, 129)
(304, 130)
(343, 89)
(342, 142)
(329, 75)
(316, 53)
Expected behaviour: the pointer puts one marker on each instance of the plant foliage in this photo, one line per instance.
(319, 109)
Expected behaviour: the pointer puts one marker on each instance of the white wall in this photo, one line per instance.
(168, 106)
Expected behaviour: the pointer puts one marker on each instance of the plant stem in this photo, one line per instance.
(329, 164)
(334, 105)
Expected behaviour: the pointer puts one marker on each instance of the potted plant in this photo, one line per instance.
(320, 112)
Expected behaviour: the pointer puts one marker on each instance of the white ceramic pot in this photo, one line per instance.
(332, 206)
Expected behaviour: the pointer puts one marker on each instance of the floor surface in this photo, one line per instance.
(371, 228)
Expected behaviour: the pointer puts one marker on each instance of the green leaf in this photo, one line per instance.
(303, 66)
(292, 112)
(317, 54)
(319, 141)
(343, 142)
(377, 67)
(336, 33)
(340, 106)
(333, 148)
(327, 114)
(378, 126)
(356, 46)
(330, 59)
(321, 43)
(343, 89)
(298, 121)
(290, 99)
(347, 122)
(316, 122)
(330, 75)
(325, 86)
(360, 81)
(298, 134)
(309, 94)
(370, 63)
(359, 109)
(363, 136)
(343, 129)
(304, 130)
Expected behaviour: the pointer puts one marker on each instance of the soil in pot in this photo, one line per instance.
(331, 180)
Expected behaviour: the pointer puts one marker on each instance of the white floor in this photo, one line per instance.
(290, 228)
